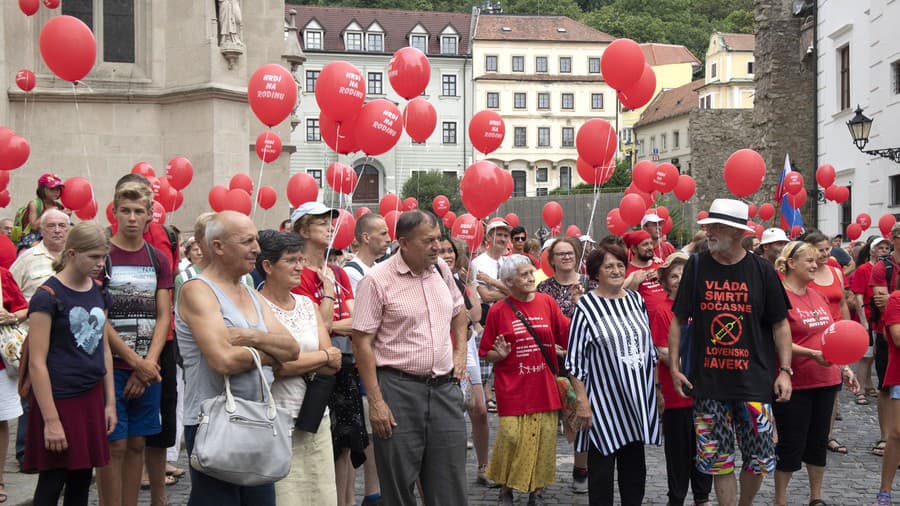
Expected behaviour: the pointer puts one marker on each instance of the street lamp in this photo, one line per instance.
(859, 127)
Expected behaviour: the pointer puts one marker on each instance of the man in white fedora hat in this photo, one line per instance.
(740, 336)
(772, 242)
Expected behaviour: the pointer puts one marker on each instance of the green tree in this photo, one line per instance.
(620, 180)
(425, 186)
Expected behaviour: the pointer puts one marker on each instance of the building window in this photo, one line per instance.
(448, 85)
(520, 180)
(594, 65)
(317, 175)
(706, 102)
(568, 101)
(117, 29)
(449, 132)
(662, 142)
(712, 70)
(676, 139)
(895, 72)
(540, 64)
(653, 144)
(520, 101)
(568, 137)
(519, 134)
(490, 63)
(493, 100)
(541, 174)
(313, 39)
(565, 64)
(895, 190)
(540, 192)
(311, 77)
(518, 64)
(750, 67)
(353, 41)
(640, 147)
(448, 44)
(375, 42)
(565, 178)
(625, 135)
(844, 56)
(847, 210)
(544, 137)
(312, 130)
(375, 80)
(596, 101)
(543, 101)
(419, 42)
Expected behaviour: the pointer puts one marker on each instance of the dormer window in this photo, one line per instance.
(375, 42)
(449, 44)
(353, 41)
(313, 39)
(419, 42)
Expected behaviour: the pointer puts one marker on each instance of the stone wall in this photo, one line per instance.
(714, 135)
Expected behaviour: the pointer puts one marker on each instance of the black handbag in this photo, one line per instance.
(318, 390)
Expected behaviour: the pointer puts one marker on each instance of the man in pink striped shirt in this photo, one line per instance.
(409, 339)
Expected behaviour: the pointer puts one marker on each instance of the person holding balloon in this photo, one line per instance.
(49, 189)
(804, 422)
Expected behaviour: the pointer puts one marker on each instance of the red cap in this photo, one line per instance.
(50, 181)
(636, 237)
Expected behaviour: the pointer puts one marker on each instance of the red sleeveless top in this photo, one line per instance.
(834, 292)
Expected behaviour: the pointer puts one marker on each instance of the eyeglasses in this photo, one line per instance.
(519, 239)
(564, 254)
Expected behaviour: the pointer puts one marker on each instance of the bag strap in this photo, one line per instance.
(230, 405)
(355, 266)
(533, 334)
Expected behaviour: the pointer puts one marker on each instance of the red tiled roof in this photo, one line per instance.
(666, 54)
(671, 103)
(536, 28)
(739, 41)
(397, 25)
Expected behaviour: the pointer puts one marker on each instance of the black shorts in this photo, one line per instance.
(803, 425)
(168, 401)
(881, 360)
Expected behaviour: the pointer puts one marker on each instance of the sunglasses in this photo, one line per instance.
(519, 239)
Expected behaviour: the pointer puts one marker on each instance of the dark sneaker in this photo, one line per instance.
(579, 481)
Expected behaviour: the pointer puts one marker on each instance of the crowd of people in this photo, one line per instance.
(379, 358)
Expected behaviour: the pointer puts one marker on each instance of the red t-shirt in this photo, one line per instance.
(13, 300)
(660, 321)
(651, 291)
(664, 249)
(879, 278)
(859, 283)
(522, 381)
(311, 287)
(834, 293)
(891, 318)
(808, 317)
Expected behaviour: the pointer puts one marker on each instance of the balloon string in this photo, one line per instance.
(87, 161)
(590, 226)
(255, 193)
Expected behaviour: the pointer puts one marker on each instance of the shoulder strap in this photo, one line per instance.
(889, 272)
(152, 254)
(356, 267)
(533, 334)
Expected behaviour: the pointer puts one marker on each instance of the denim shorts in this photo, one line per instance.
(138, 416)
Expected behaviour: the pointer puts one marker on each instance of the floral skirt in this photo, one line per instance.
(524, 454)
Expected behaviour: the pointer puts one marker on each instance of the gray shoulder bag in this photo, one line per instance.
(243, 442)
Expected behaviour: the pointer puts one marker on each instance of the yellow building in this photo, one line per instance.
(729, 72)
(674, 66)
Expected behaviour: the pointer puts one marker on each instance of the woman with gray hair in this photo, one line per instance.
(523, 335)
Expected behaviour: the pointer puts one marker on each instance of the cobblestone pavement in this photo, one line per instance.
(849, 479)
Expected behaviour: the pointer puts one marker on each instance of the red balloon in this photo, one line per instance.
(886, 223)
(573, 231)
(853, 231)
(622, 63)
(340, 137)
(632, 209)
(68, 47)
(378, 127)
(480, 188)
(685, 188)
(844, 342)
(449, 219)
(702, 215)
(389, 202)
(766, 211)
(410, 203)
(344, 226)
(841, 194)
(512, 219)
(440, 205)
(29, 7)
(5, 198)
(144, 169)
(648, 198)
(639, 94)
(793, 182)
(266, 197)
(661, 211)
(545, 266)
(76, 193)
(217, 197)
(864, 221)
(614, 222)
(338, 177)
(751, 210)
(272, 93)
(161, 189)
(797, 201)
(301, 188)
(110, 217)
(268, 146)
(486, 131)
(596, 142)
(159, 213)
(594, 175)
(51, 4)
(25, 80)
(340, 91)
(419, 119)
(169, 199)
(744, 172)
(4, 179)
(552, 214)
(825, 175)
(179, 199)
(468, 228)
(88, 211)
(665, 178)
(642, 175)
(242, 182)
(180, 172)
(507, 185)
(14, 152)
(237, 199)
(361, 211)
(409, 72)
(390, 218)
(796, 230)
(667, 226)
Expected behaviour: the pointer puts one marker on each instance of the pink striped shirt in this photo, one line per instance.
(410, 316)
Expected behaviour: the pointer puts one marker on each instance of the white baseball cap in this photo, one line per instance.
(313, 208)
(651, 218)
(497, 223)
(771, 235)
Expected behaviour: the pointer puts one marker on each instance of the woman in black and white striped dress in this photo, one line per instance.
(612, 363)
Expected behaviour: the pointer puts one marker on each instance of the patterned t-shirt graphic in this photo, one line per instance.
(133, 312)
(86, 327)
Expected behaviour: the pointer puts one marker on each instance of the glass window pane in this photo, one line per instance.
(118, 31)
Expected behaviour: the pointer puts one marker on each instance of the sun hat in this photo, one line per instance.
(771, 235)
(730, 212)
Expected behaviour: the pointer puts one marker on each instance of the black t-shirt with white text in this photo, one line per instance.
(733, 349)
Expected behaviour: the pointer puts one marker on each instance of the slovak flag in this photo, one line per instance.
(790, 216)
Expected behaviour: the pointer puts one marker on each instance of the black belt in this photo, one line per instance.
(431, 381)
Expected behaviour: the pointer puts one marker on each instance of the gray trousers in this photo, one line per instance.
(428, 444)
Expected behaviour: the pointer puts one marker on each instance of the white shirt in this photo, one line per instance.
(354, 273)
(32, 268)
(486, 264)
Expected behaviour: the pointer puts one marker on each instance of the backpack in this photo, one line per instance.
(889, 277)
(22, 227)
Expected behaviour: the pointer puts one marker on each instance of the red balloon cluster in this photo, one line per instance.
(639, 94)
(853, 231)
(340, 91)
(468, 228)
(745, 170)
(341, 178)
(410, 203)
(837, 193)
(14, 150)
(825, 175)
(625, 69)
(340, 137)
(390, 202)
(614, 222)
(486, 131)
(272, 94)
(77, 193)
(29, 7)
(596, 142)
(685, 188)
(241, 182)
(595, 175)
(449, 219)
(361, 211)
(483, 187)
(68, 47)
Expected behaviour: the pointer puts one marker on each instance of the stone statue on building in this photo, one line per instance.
(230, 23)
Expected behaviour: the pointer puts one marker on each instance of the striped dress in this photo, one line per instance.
(611, 351)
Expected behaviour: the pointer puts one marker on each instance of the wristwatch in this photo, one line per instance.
(787, 370)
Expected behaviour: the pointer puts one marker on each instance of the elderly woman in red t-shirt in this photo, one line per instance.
(678, 416)
(804, 422)
(523, 335)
